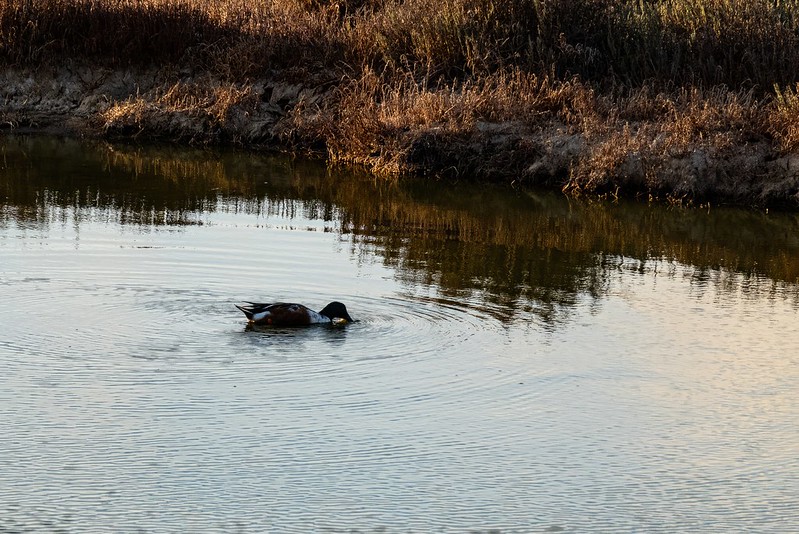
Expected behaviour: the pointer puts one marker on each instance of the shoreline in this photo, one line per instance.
(614, 157)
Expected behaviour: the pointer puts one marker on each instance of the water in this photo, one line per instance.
(522, 363)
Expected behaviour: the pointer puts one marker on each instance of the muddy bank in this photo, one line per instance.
(623, 157)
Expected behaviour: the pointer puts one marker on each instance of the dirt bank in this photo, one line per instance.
(619, 156)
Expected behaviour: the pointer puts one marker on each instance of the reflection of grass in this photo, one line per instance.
(521, 249)
(728, 238)
(134, 184)
(515, 251)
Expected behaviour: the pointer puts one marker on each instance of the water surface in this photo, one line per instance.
(522, 363)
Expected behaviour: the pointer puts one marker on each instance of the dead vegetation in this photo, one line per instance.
(688, 99)
(181, 112)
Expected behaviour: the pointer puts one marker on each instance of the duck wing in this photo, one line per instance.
(279, 313)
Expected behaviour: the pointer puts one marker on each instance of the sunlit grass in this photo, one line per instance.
(414, 85)
(178, 110)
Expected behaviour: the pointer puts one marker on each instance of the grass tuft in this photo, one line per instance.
(194, 111)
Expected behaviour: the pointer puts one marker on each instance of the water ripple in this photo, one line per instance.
(134, 398)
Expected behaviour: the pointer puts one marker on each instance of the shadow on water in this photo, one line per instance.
(284, 342)
(508, 252)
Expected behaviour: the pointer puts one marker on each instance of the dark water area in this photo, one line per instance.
(523, 362)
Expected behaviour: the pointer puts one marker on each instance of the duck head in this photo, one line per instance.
(336, 310)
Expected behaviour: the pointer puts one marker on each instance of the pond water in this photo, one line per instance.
(522, 362)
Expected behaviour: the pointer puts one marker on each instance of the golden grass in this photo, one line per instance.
(635, 132)
(702, 42)
(179, 110)
(638, 81)
(784, 118)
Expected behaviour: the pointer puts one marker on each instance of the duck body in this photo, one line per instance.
(290, 314)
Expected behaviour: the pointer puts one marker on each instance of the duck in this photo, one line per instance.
(290, 314)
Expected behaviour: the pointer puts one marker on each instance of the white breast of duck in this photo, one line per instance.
(316, 317)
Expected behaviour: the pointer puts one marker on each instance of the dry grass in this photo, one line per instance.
(783, 120)
(748, 43)
(194, 112)
(642, 136)
(426, 86)
(383, 125)
(404, 126)
(229, 37)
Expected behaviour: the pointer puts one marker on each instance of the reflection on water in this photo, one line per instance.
(522, 362)
(510, 251)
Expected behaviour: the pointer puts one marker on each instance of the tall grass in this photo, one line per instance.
(732, 42)
(115, 31)
(235, 37)
(754, 43)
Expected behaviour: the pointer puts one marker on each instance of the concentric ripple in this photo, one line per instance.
(135, 398)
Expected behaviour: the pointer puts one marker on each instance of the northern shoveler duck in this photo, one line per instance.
(286, 314)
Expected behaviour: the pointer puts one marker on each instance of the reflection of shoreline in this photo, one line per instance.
(513, 248)
(737, 240)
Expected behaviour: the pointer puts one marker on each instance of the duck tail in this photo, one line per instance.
(248, 311)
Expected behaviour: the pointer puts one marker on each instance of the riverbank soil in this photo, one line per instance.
(679, 100)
